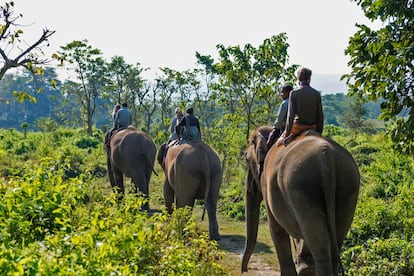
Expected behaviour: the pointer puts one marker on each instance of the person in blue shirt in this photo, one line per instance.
(123, 117)
(189, 127)
(280, 122)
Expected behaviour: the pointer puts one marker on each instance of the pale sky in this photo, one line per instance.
(167, 33)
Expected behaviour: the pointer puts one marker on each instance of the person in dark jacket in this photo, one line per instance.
(304, 110)
(189, 127)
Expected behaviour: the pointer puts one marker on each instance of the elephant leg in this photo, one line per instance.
(211, 206)
(168, 196)
(119, 187)
(110, 173)
(253, 200)
(313, 225)
(141, 185)
(303, 258)
(281, 241)
(186, 190)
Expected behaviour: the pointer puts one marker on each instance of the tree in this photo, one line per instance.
(25, 55)
(118, 70)
(382, 65)
(91, 71)
(354, 117)
(248, 77)
(134, 84)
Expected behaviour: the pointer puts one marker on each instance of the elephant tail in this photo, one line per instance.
(329, 190)
(207, 179)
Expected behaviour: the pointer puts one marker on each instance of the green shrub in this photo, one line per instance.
(87, 142)
(380, 257)
(48, 228)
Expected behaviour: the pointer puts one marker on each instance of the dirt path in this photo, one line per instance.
(263, 262)
(233, 246)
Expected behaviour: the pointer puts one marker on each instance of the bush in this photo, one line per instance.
(380, 257)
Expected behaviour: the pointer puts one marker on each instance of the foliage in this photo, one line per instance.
(16, 52)
(90, 70)
(380, 241)
(249, 79)
(54, 225)
(392, 256)
(382, 66)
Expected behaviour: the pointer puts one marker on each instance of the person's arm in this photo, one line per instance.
(178, 126)
(320, 116)
(290, 113)
(281, 115)
(116, 118)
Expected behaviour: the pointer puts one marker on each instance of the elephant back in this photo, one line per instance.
(132, 142)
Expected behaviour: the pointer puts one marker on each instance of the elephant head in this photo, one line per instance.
(161, 154)
(255, 155)
(192, 171)
(131, 154)
(310, 189)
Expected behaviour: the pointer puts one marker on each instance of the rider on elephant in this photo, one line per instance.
(280, 122)
(173, 124)
(123, 117)
(188, 129)
(304, 110)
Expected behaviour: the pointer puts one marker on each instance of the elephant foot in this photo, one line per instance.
(306, 270)
(216, 237)
(145, 207)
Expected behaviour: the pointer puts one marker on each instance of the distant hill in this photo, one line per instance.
(329, 84)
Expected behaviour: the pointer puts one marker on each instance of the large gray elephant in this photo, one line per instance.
(310, 189)
(192, 171)
(131, 153)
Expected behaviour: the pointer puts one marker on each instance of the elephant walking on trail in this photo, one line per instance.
(192, 171)
(310, 188)
(131, 153)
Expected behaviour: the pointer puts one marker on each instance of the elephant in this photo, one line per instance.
(310, 189)
(131, 153)
(192, 171)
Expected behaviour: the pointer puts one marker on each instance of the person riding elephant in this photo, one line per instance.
(280, 122)
(108, 135)
(131, 153)
(123, 117)
(188, 128)
(304, 109)
(173, 125)
(310, 189)
(192, 171)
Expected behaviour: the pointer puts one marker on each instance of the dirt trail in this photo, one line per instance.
(233, 246)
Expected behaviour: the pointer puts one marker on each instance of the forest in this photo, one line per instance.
(59, 216)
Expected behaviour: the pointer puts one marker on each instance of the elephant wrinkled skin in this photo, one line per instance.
(131, 153)
(192, 171)
(310, 189)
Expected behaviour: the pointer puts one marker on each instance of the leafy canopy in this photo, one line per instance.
(382, 63)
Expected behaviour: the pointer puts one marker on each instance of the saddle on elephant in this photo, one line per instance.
(297, 130)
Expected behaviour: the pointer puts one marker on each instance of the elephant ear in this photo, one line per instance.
(161, 153)
(261, 151)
